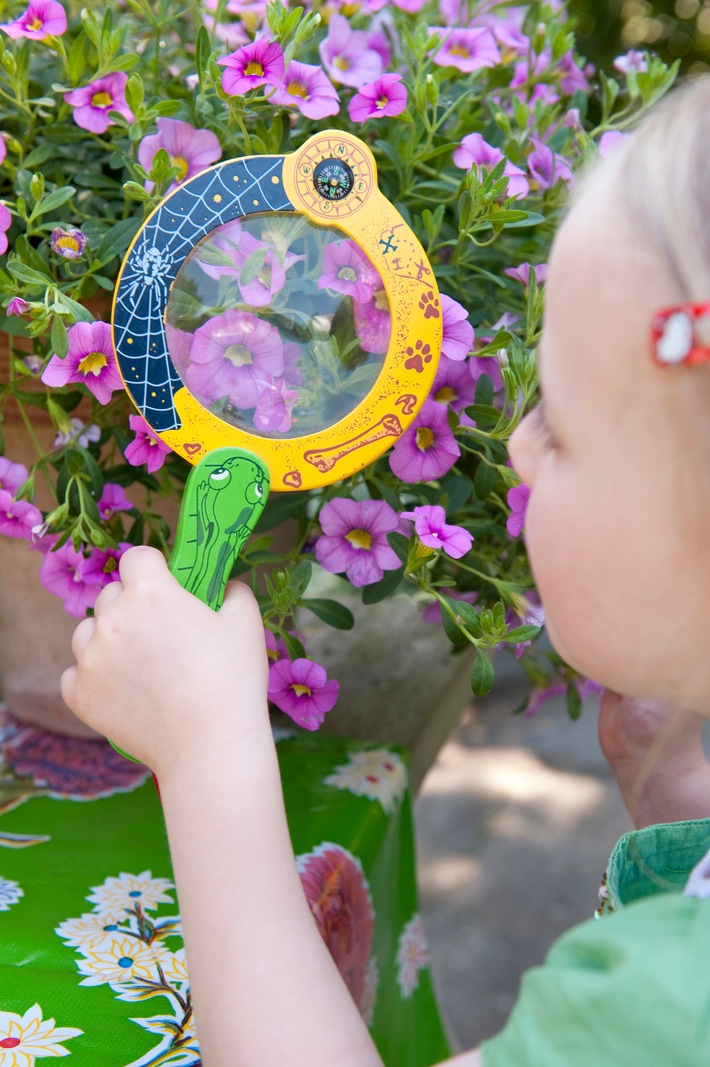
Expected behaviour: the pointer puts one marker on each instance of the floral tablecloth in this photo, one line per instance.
(91, 958)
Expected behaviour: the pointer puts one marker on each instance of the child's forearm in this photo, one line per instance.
(266, 989)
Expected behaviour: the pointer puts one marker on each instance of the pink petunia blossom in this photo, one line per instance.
(585, 688)
(275, 647)
(465, 49)
(69, 244)
(234, 355)
(522, 273)
(632, 61)
(92, 103)
(146, 447)
(41, 18)
(373, 322)
(306, 87)
(533, 614)
(302, 690)
(12, 475)
(385, 96)
(90, 360)
(259, 269)
(346, 54)
(62, 572)
(190, 149)
(547, 167)
(112, 500)
(428, 449)
(458, 334)
(608, 143)
(253, 65)
(102, 564)
(475, 152)
(432, 529)
(5, 224)
(573, 79)
(79, 433)
(17, 517)
(347, 270)
(274, 406)
(454, 384)
(17, 306)
(518, 498)
(354, 539)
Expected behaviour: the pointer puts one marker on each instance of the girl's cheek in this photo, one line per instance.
(524, 451)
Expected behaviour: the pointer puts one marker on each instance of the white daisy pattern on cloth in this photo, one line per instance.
(27, 1038)
(129, 890)
(10, 893)
(412, 956)
(376, 773)
(121, 945)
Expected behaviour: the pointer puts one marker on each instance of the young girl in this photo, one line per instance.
(617, 458)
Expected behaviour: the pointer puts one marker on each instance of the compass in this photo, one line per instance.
(333, 179)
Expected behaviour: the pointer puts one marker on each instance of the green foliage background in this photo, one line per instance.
(673, 29)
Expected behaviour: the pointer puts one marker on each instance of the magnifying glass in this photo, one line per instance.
(275, 322)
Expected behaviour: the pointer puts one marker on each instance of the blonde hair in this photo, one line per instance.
(662, 177)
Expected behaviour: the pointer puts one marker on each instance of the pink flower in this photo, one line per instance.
(102, 564)
(433, 531)
(306, 87)
(147, 447)
(518, 498)
(274, 406)
(302, 690)
(17, 517)
(475, 152)
(346, 54)
(259, 268)
(5, 224)
(41, 18)
(348, 270)
(608, 143)
(533, 615)
(233, 355)
(585, 687)
(547, 167)
(93, 102)
(373, 322)
(632, 61)
(112, 499)
(428, 449)
(458, 337)
(63, 573)
(190, 149)
(385, 96)
(90, 360)
(12, 475)
(454, 384)
(253, 65)
(17, 306)
(522, 273)
(354, 539)
(467, 50)
(69, 244)
(275, 647)
(339, 897)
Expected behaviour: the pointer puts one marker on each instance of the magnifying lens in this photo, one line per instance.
(276, 322)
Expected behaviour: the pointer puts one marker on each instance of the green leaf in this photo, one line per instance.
(573, 700)
(399, 545)
(116, 240)
(203, 51)
(484, 481)
(300, 578)
(331, 612)
(293, 646)
(372, 594)
(26, 274)
(467, 613)
(520, 634)
(281, 506)
(55, 199)
(58, 337)
(482, 675)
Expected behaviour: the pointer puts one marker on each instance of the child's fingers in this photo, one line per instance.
(106, 597)
(81, 637)
(67, 686)
(239, 601)
(141, 561)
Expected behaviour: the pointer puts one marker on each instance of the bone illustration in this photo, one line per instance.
(324, 459)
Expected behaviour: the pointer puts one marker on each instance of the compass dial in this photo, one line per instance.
(333, 176)
(333, 179)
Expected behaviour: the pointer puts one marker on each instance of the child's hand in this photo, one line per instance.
(657, 756)
(161, 674)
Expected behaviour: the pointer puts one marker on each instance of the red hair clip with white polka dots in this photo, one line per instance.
(681, 334)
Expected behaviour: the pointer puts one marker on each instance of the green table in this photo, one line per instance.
(91, 958)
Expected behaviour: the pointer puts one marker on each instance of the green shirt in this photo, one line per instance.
(632, 988)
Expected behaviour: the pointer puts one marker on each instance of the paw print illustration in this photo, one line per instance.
(429, 305)
(418, 356)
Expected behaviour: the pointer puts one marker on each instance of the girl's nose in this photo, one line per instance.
(522, 450)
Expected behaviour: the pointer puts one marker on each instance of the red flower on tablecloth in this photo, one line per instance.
(339, 898)
(67, 766)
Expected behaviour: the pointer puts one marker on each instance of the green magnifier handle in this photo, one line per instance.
(224, 497)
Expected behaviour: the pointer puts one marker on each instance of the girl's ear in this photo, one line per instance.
(681, 334)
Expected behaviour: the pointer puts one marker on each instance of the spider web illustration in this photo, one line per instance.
(219, 195)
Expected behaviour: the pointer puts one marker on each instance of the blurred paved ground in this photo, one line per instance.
(515, 822)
